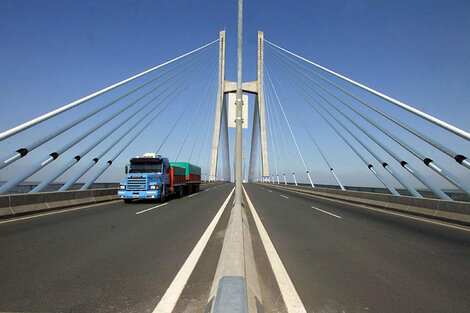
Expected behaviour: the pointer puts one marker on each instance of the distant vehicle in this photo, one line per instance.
(154, 177)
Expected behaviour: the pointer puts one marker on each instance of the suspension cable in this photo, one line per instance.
(290, 129)
(52, 156)
(7, 160)
(67, 107)
(427, 161)
(208, 117)
(408, 167)
(400, 104)
(282, 133)
(290, 102)
(196, 90)
(384, 164)
(272, 144)
(111, 160)
(192, 120)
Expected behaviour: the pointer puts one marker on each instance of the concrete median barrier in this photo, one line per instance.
(450, 211)
(18, 204)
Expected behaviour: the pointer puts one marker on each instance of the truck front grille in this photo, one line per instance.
(136, 184)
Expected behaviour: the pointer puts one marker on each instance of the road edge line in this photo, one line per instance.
(168, 302)
(289, 293)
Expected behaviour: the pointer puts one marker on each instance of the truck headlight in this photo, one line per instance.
(153, 186)
(122, 187)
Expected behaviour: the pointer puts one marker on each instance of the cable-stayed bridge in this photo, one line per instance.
(308, 239)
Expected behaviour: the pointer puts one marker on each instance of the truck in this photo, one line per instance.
(153, 176)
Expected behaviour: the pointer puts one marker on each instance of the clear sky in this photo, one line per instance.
(54, 52)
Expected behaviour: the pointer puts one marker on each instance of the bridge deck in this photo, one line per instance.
(107, 258)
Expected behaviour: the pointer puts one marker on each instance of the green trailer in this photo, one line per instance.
(191, 169)
(193, 175)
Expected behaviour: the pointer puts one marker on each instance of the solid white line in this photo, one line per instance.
(172, 294)
(192, 195)
(284, 196)
(57, 212)
(288, 292)
(337, 216)
(154, 207)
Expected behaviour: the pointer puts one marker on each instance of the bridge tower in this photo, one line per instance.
(259, 115)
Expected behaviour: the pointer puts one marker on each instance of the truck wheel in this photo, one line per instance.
(127, 200)
(179, 192)
(163, 194)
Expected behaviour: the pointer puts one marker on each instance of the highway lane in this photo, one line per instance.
(105, 258)
(344, 259)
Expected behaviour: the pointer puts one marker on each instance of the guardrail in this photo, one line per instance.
(451, 211)
(18, 204)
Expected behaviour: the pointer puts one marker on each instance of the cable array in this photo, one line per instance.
(323, 96)
(123, 125)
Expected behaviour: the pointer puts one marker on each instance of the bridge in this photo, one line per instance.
(274, 228)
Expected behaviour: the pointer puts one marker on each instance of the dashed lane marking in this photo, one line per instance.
(192, 195)
(288, 292)
(404, 215)
(172, 294)
(337, 216)
(284, 196)
(154, 207)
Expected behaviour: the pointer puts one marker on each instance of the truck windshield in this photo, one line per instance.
(145, 166)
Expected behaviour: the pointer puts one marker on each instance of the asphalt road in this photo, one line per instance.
(106, 258)
(360, 260)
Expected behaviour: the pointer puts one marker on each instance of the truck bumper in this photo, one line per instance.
(146, 194)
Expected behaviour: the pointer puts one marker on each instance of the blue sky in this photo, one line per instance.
(54, 52)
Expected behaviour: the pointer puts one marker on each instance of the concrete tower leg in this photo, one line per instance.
(261, 108)
(218, 109)
(253, 139)
(224, 126)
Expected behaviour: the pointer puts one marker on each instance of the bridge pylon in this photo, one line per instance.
(259, 115)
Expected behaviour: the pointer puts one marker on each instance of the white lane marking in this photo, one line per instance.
(192, 195)
(288, 292)
(172, 294)
(270, 190)
(337, 216)
(396, 213)
(154, 207)
(284, 196)
(57, 212)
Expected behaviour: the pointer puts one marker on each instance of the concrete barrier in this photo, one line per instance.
(236, 287)
(451, 211)
(18, 204)
(24, 203)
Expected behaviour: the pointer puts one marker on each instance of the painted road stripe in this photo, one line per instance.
(288, 292)
(172, 294)
(154, 207)
(270, 190)
(192, 195)
(422, 219)
(57, 212)
(337, 216)
(284, 196)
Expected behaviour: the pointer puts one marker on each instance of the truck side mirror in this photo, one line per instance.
(126, 169)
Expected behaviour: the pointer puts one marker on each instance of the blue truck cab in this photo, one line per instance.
(147, 177)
